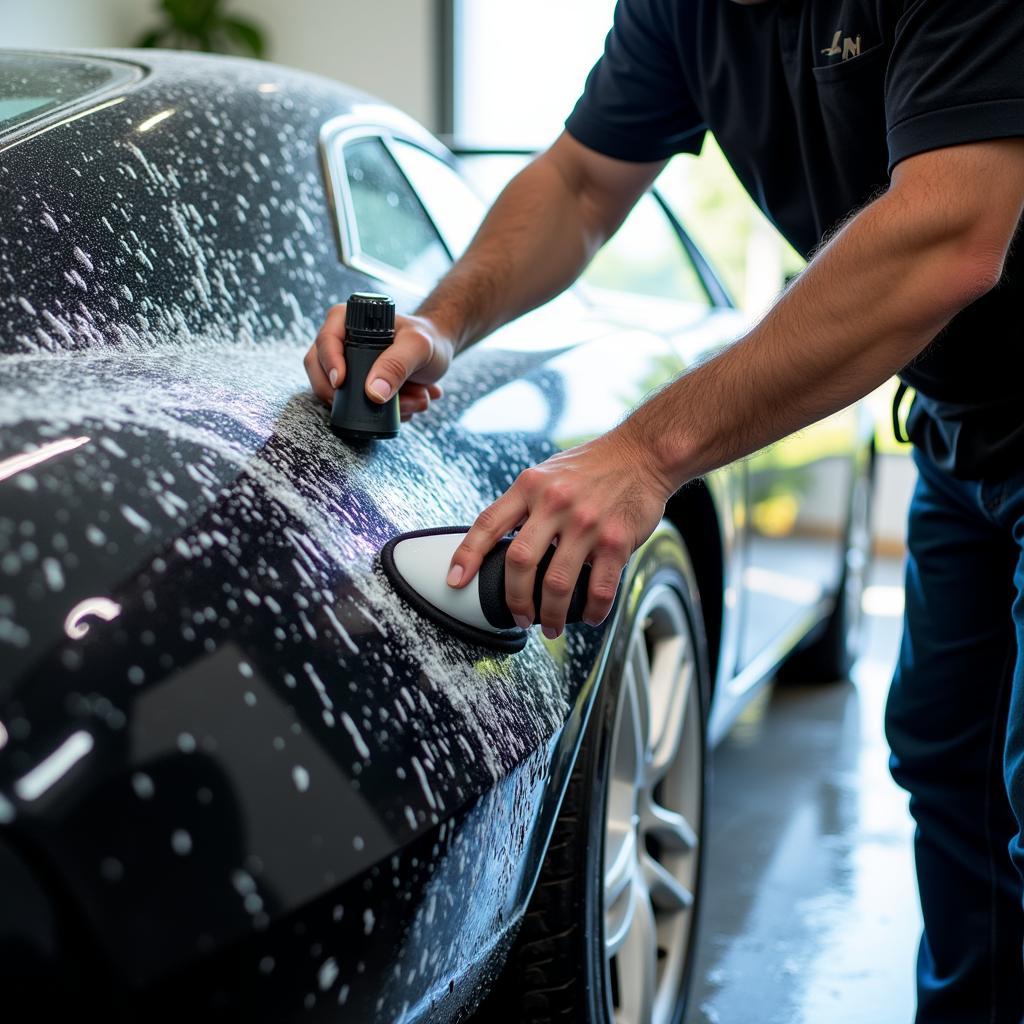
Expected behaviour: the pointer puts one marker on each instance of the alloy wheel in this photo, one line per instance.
(652, 814)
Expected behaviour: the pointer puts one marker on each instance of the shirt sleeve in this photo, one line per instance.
(636, 104)
(956, 75)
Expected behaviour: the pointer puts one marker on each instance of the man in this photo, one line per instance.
(884, 137)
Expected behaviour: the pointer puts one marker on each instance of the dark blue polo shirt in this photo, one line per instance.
(814, 102)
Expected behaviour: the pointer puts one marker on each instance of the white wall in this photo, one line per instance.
(386, 47)
(71, 23)
(522, 65)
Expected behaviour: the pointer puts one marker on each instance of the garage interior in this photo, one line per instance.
(809, 908)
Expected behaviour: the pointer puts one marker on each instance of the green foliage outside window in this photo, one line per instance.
(722, 218)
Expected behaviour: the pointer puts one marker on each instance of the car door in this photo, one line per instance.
(798, 500)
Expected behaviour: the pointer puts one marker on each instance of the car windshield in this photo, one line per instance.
(33, 85)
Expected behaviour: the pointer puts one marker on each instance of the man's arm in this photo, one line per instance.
(866, 306)
(541, 232)
(871, 300)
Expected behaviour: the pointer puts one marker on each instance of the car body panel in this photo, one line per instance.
(255, 777)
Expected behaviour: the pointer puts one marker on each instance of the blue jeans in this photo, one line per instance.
(955, 723)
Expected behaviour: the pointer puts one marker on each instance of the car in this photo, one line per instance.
(238, 775)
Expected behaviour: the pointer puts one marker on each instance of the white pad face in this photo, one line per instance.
(423, 563)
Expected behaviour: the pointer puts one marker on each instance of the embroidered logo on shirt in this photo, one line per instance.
(843, 45)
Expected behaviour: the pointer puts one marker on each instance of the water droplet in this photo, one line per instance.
(328, 974)
(181, 842)
(143, 785)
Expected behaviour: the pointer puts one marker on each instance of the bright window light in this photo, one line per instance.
(519, 68)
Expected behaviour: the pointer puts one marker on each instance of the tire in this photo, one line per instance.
(559, 968)
(834, 649)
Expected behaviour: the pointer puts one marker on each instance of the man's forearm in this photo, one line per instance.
(869, 303)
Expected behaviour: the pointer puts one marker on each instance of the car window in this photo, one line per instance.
(391, 227)
(33, 85)
(453, 206)
(646, 257)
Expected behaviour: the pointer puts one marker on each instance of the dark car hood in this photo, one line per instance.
(199, 649)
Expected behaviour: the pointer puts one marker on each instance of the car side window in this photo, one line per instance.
(646, 257)
(391, 227)
(453, 206)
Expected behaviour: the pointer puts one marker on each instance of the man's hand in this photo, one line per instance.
(412, 365)
(600, 501)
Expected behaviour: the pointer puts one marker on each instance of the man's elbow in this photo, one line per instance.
(976, 268)
(964, 259)
(962, 206)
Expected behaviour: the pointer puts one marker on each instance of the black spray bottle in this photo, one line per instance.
(369, 329)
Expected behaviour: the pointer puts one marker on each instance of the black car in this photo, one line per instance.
(239, 777)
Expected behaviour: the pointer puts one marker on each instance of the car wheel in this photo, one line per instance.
(609, 936)
(831, 655)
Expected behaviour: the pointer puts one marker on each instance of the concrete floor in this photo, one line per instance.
(810, 905)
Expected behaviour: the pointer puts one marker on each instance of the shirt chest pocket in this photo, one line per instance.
(851, 99)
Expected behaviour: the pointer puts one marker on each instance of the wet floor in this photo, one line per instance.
(810, 906)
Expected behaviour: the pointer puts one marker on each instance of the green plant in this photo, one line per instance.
(203, 25)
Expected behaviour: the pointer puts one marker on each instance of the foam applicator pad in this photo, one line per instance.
(417, 564)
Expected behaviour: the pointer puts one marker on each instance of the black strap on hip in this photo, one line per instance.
(897, 424)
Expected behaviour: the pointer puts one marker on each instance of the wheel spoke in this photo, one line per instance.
(639, 668)
(671, 681)
(667, 892)
(637, 961)
(628, 757)
(670, 828)
(618, 925)
(620, 846)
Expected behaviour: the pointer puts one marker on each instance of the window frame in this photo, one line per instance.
(718, 294)
(383, 125)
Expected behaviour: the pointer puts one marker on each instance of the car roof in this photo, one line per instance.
(149, 72)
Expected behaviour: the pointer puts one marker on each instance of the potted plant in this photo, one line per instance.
(203, 25)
